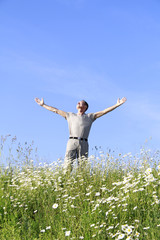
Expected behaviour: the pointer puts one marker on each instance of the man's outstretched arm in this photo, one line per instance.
(105, 111)
(52, 109)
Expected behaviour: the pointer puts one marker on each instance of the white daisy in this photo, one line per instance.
(67, 233)
(55, 205)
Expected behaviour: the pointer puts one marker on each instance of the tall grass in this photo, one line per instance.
(110, 198)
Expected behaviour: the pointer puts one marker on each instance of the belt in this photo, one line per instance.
(82, 139)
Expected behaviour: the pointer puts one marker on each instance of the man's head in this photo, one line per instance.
(82, 106)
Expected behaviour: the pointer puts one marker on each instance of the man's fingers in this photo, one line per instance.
(38, 100)
(123, 100)
(42, 101)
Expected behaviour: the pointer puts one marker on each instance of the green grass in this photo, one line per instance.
(111, 198)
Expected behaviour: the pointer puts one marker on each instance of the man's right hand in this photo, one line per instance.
(40, 102)
(52, 109)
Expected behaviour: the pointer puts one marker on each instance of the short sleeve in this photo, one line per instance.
(68, 115)
(92, 116)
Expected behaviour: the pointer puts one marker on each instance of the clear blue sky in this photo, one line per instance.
(68, 50)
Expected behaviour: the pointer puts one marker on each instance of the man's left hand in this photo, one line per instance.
(121, 101)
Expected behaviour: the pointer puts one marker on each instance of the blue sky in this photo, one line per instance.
(68, 50)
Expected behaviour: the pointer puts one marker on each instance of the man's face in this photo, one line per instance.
(82, 106)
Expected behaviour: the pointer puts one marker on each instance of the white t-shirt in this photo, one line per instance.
(79, 125)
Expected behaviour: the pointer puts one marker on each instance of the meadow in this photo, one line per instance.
(111, 197)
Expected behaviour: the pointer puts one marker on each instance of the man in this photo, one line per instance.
(79, 128)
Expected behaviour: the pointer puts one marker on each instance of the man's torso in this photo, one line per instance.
(79, 125)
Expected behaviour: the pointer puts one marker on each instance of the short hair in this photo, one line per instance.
(86, 104)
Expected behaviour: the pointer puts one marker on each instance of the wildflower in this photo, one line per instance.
(92, 225)
(150, 178)
(97, 205)
(49, 227)
(81, 237)
(97, 194)
(107, 213)
(87, 194)
(124, 227)
(67, 233)
(110, 227)
(129, 238)
(121, 236)
(117, 225)
(136, 220)
(148, 171)
(145, 228)
(128, 230)
(137, 234)
(94, 235)
(59, 179)
(43, 230)
(72, 206)
(55, 205)
(64, 196)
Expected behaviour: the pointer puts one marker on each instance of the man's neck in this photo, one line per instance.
(80, 113)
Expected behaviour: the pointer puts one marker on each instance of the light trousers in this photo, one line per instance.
(76, 149)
